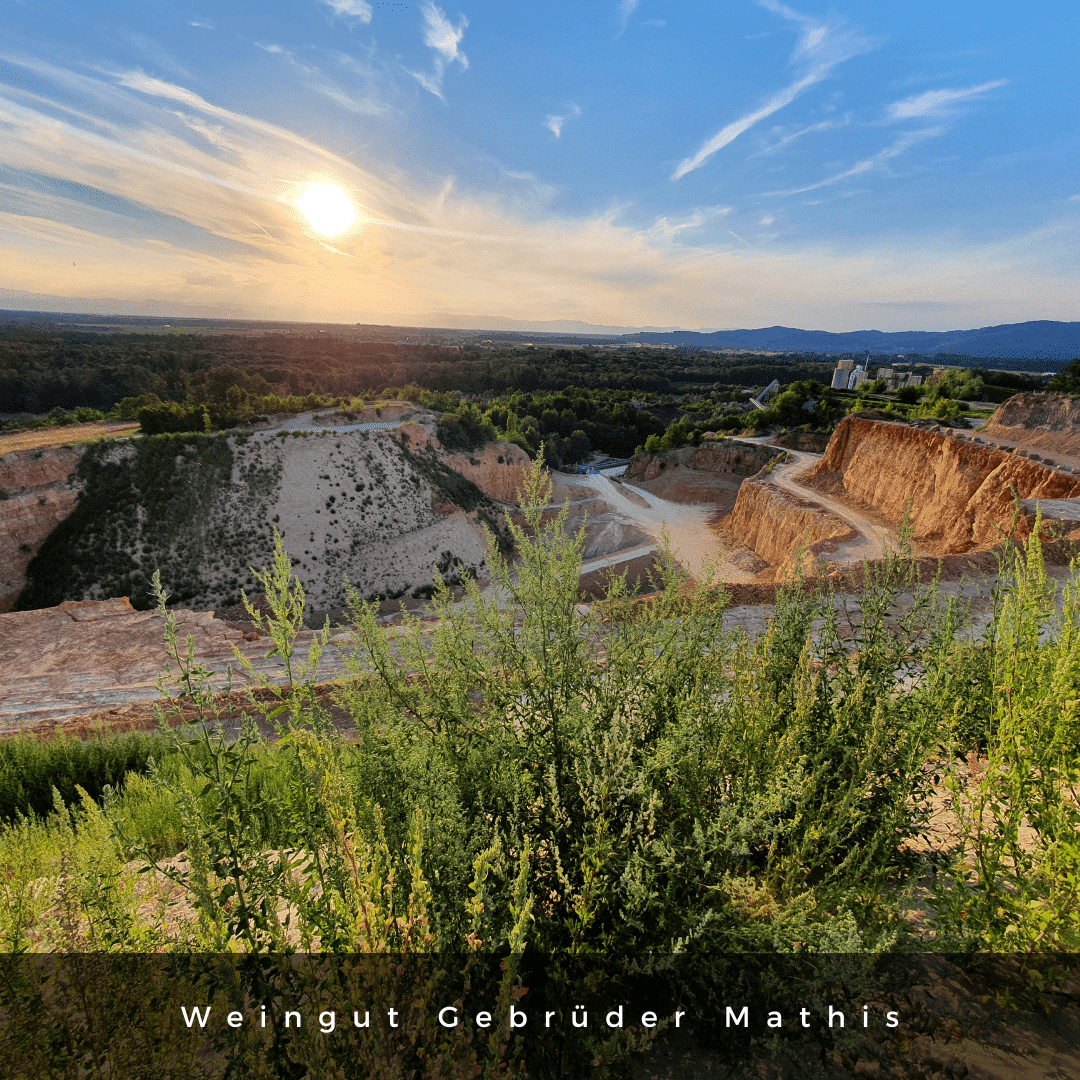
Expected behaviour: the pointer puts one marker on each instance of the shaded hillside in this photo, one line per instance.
(202, 509)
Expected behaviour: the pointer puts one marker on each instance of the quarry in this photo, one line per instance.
(379, 506)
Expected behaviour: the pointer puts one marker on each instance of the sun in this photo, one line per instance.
(326, 208)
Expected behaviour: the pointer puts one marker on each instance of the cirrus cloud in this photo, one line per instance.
(820, 48)
(356, 10)
(936, 103)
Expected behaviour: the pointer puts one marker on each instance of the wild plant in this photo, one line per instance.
(675, 784)
(1016, 880)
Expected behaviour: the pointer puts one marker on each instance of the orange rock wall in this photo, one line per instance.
(774, 523)
(960, 494)
(501, 480)
(35, 496)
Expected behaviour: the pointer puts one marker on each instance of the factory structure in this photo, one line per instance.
(850, 375)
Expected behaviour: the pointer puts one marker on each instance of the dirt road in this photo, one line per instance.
(694, 543)
(872, 539)
(42, 438)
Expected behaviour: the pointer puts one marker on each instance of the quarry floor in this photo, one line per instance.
(702, 500)
(91, 664)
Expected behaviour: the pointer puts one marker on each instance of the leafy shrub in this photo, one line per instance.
(465, 428)
(1016, 883)
(30, 768)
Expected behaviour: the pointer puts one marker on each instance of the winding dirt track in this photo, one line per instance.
(695, 543)
(872, 539)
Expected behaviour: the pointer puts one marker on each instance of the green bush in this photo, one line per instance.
(30, 768)
(1016, 876)
(465, 428)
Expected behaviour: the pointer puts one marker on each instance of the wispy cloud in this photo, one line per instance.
(938, 103)
(314, 79)
(555, 123)
(868, 164)
(444, 37)
(820, 48)
(220, 229)
(768, 219)
(350, 10)
(202, 24)
(668, 230)
(626, 9)
(1074, 198)
(825, 125)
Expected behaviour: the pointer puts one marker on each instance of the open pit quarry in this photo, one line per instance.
(83, 528)
(958, 490)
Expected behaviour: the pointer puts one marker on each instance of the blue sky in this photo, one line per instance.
(738, 163)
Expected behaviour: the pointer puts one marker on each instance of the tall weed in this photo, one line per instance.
(1017, 876)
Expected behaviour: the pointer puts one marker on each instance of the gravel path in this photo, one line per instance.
(872, 539)
(694, 542)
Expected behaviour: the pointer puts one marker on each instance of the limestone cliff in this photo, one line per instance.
(774, 524)
(1048, 421)
(497, 469)
(960, 494)
(36, 494)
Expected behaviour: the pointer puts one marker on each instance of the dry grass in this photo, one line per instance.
(42, 438)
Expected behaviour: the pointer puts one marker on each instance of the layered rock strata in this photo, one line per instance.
(960, 494)
(36, 495)
(778, 526)
(497, 469)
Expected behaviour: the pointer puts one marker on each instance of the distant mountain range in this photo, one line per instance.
(1031, 342)
(446, 320)
(1041, 340)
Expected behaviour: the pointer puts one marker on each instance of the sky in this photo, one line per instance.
(622, 163)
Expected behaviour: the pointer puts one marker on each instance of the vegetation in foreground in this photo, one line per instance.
(630, 780)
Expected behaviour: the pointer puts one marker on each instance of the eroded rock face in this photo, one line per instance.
(35, 496)
(716, 456)
(774, 523)
(497, 469)
(960, 494)
(1048, 421)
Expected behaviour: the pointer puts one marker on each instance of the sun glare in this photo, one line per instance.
(326, 208)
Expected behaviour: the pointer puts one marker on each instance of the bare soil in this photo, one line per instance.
(41, 438)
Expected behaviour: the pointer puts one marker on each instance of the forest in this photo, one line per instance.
(576, 401)
(40, 371)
